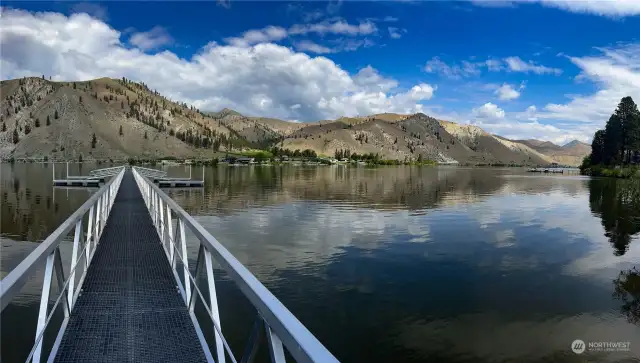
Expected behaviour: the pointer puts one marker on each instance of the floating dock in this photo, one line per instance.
(179, 183)
(76, 182)
(545, 170)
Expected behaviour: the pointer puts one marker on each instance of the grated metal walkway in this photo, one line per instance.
(130, 309)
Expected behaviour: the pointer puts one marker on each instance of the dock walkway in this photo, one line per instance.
(130, 309)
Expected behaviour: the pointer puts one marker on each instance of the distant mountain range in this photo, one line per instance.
(60, 119)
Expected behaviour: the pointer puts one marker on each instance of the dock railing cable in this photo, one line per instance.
(84, 246)
(273, 319)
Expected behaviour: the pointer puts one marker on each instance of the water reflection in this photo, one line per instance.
(627, 289)
(619, 213)
(416, 264)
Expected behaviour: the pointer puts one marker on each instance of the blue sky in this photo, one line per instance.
(550, 69)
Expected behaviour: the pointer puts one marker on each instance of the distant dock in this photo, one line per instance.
(554, 170)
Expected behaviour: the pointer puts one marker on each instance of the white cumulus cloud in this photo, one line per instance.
(488, 111)
(506, 92)
(152, 39)
(264, 79)
(609, 8)
(515, 64)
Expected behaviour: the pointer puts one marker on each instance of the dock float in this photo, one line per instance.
(77, 182)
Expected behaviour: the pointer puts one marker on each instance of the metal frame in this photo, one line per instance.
(280, 326)
(84, 245)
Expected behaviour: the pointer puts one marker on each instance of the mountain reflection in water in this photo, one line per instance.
(397, 264)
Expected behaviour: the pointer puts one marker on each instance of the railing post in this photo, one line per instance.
(96, 234)
(44, 304)
(170, 239)
(185, 262)
(57, 265)
(213, 299)
(161, 210)
(74, 261)
(276, 351)
(87, 257)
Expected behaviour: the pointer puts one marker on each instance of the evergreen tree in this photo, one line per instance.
(629, 116)
(27, 129)
(55, 115)
(48, 121)
(16, 137)
(4, 127)
(93, 141)
(121, 133)
(37, 122)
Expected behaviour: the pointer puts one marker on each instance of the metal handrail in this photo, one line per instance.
(98, 206)
(106, 171)
(281, 326)
(151, 172)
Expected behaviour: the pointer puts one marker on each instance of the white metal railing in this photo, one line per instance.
(152, 173)
(104, 172)
(85, 242)
(274, 320)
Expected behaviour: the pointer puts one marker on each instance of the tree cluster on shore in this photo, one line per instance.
(618, 144)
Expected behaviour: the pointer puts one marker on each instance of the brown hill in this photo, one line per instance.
(408, 137)
(130, 120)
(569, 154)
(59, 119)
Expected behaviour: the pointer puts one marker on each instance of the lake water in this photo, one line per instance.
(392, 264)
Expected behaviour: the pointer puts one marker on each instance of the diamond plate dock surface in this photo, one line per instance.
(130, 309)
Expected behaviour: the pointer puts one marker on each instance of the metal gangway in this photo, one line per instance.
(119, 293)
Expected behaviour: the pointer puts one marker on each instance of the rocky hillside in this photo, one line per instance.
(410, 137)
(118, 118)
(103, 118)
(571, 153)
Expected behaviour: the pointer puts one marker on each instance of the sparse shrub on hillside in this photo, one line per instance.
(4, 127)
(27, 129)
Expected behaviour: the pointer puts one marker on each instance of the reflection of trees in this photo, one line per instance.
(627, 289)
(616, 203)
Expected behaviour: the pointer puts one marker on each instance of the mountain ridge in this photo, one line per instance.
(130, 120)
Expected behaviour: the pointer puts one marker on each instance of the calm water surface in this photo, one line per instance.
(395, 264)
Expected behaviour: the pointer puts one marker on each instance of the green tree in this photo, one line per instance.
(55, 115)
(16, 136)
(145, 135)
(48, 121)
(93, 141)
(120, 132)
(74, 85)
(4, 127)
(597, 148)
(37, 123)
(27, 129)
(629, 116)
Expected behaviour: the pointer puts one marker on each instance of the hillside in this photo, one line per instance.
(571, 153)
(411, 136)
(59, 120)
